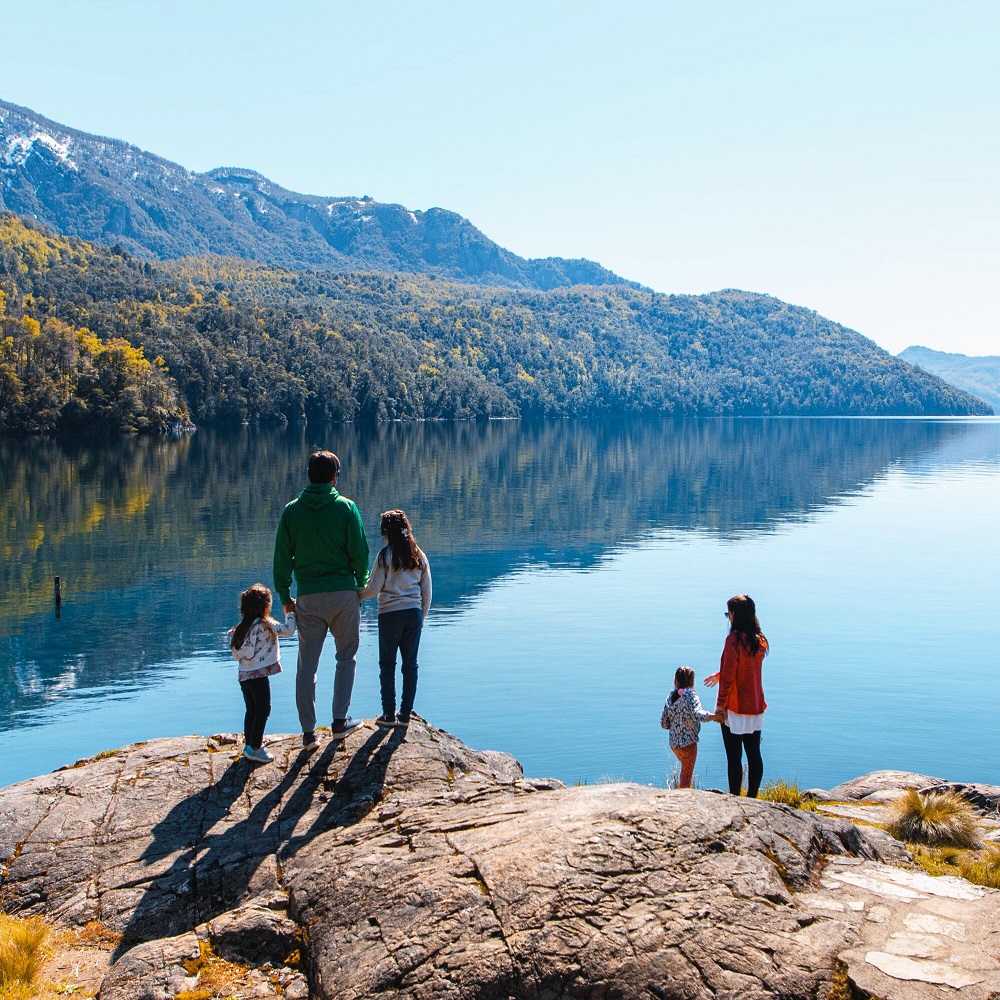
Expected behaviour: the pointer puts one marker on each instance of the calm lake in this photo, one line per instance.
(576, 565)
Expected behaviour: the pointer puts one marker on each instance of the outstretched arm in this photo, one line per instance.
(287, 629)
(357, 547)
(284, 560)
(726, 675)
(426, 590)
(375, 582)
(699, 712)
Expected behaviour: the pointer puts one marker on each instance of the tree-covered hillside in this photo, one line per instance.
(233, 341)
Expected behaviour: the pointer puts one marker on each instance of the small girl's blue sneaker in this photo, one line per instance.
(260, 756)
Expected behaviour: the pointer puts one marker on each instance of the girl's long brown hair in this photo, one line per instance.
(255, 602)
(398, 534)
(745, 623)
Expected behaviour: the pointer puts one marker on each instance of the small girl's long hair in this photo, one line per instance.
(745, 623)
(255, 602)
(398, 534)
(683, 678)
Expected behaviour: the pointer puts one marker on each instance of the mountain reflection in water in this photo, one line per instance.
(154, 537)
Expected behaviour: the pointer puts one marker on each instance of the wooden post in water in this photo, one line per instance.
(58, 594)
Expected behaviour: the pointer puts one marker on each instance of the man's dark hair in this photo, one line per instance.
(324, 467)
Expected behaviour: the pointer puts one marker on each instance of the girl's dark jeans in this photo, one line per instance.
(257, 695)
(735, 745)
(398, 630)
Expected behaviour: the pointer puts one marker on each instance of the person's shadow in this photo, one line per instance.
(200, 867)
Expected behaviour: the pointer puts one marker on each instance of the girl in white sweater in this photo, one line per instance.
(254, 645)
(401, 577)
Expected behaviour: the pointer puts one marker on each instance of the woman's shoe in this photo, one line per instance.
(386, 721)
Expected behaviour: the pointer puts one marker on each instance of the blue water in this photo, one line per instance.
(575, 566)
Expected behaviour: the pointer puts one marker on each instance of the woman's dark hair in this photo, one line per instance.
(745, 624)
(324, 467)
(398, 534)
(683, 678)
(255, 602)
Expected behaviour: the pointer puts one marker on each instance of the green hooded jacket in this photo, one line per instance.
(321, 540)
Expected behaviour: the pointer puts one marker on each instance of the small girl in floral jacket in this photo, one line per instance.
(683, 716)
(254, 645)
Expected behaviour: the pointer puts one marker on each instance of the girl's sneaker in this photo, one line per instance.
(261, 755)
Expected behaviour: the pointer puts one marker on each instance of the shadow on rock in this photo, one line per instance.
(219, 846)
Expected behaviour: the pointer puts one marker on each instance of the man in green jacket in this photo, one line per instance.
(321, 541)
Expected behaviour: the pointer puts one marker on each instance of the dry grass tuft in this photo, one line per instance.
(216, 976)
(22, 941)
(937, 819)
(95, 935)
(984, 870)
(787, 793)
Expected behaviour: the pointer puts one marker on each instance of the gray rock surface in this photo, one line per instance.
(880, 781)
(407, 865)
(985, 798)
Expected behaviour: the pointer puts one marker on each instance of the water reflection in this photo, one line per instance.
(154, 537)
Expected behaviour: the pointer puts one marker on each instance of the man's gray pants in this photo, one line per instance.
(339, 612)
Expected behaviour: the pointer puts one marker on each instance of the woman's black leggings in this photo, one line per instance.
(735, 744)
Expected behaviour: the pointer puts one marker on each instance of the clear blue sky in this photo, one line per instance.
(844, 157)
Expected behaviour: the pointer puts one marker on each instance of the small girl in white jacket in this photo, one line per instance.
(254, 644)
(401, 577)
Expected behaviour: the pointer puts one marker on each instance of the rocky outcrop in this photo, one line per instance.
(878, 783)
(407, 865)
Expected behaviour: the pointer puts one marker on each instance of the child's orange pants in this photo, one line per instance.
(687, 756)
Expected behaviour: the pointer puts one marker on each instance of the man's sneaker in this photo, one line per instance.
(261, 755)
(309, 741)
(386, 721)
(341, 727)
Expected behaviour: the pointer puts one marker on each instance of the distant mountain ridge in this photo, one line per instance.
(108, 191)
(979, 376)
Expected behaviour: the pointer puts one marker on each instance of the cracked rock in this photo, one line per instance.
(407, 865)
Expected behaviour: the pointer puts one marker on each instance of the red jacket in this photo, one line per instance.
(740, 689)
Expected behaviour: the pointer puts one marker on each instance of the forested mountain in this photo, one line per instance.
(92, 336)
(110, 192)
(978, 375)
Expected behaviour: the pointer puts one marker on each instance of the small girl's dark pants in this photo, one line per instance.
(398, 630)
(257, 695)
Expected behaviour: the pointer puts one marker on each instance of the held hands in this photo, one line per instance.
(289, 607)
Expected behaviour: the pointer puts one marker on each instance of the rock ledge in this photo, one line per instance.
(397, 865)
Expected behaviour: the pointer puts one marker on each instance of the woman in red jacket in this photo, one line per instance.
(740, 705)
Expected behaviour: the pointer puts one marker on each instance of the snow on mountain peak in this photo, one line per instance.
(20, 147)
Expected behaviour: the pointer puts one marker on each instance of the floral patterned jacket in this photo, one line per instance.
(684, 718)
